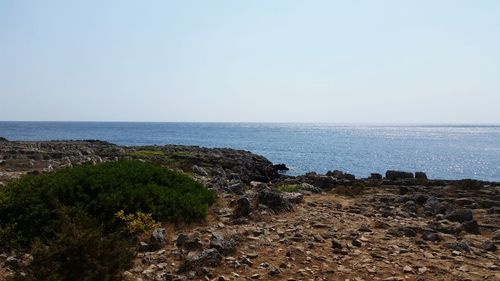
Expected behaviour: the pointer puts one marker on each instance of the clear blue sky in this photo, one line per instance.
(275, 61)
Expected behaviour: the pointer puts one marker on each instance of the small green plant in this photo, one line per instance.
(288, 188)
(138, 223)
(165, 157)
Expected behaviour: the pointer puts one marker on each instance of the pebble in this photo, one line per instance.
(356, 243)
(464, 268)
(422, 270)
(252, 255)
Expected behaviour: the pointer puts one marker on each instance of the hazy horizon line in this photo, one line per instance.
(258, 122)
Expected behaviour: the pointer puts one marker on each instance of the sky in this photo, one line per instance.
(329, 61)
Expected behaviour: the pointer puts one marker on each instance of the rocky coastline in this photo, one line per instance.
(271, 226)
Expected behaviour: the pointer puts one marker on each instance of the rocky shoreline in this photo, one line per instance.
(268, 225)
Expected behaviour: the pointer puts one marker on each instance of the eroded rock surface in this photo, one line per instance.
(334, 227)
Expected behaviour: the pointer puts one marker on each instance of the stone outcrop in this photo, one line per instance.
(274, 201)
(403, 227)
(420, 176)
(398, 175)
(375, 176)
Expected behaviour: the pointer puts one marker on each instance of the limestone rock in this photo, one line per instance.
(242, 208)
(459, 215)
(223, 245)
(274, 201)
(398, 175)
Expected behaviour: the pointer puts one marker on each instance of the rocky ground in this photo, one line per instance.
(268, 226)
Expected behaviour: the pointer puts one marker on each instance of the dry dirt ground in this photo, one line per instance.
(297, 245)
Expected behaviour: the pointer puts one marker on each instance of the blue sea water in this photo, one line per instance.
(443, 151)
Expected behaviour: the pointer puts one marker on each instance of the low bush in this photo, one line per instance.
(69, 218)
(27, 207)
(80, 251)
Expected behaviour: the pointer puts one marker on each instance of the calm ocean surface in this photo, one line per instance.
(450, 152)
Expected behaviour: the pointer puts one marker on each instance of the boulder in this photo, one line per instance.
(257, 185)
(242, 208)
(273, 271)
(364, 228)
(310, 188)
(157, 239)
(200, 171)
(188, 243)
(459, 215)
(280, 167)
(293, 197)
(336, 244)
(237, 188)
(420, 176)
(375, 176)
(356, 243)
(420, 198)
(350, 177)
(459, 246)
(409, 206)
(471, 227)
(2, 139)
(398, 175)
(321, 181)
(208, 257)
(223, 246)
(273, 200)
(434, 207)
(431, 236)
(335, 173)
(340, 175)
(143, 246)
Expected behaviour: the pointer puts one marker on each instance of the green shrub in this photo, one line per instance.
(29, 207)
(68, 219)
(288, 188)
(80, 251)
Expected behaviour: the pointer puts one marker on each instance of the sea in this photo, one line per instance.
(442, 151)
